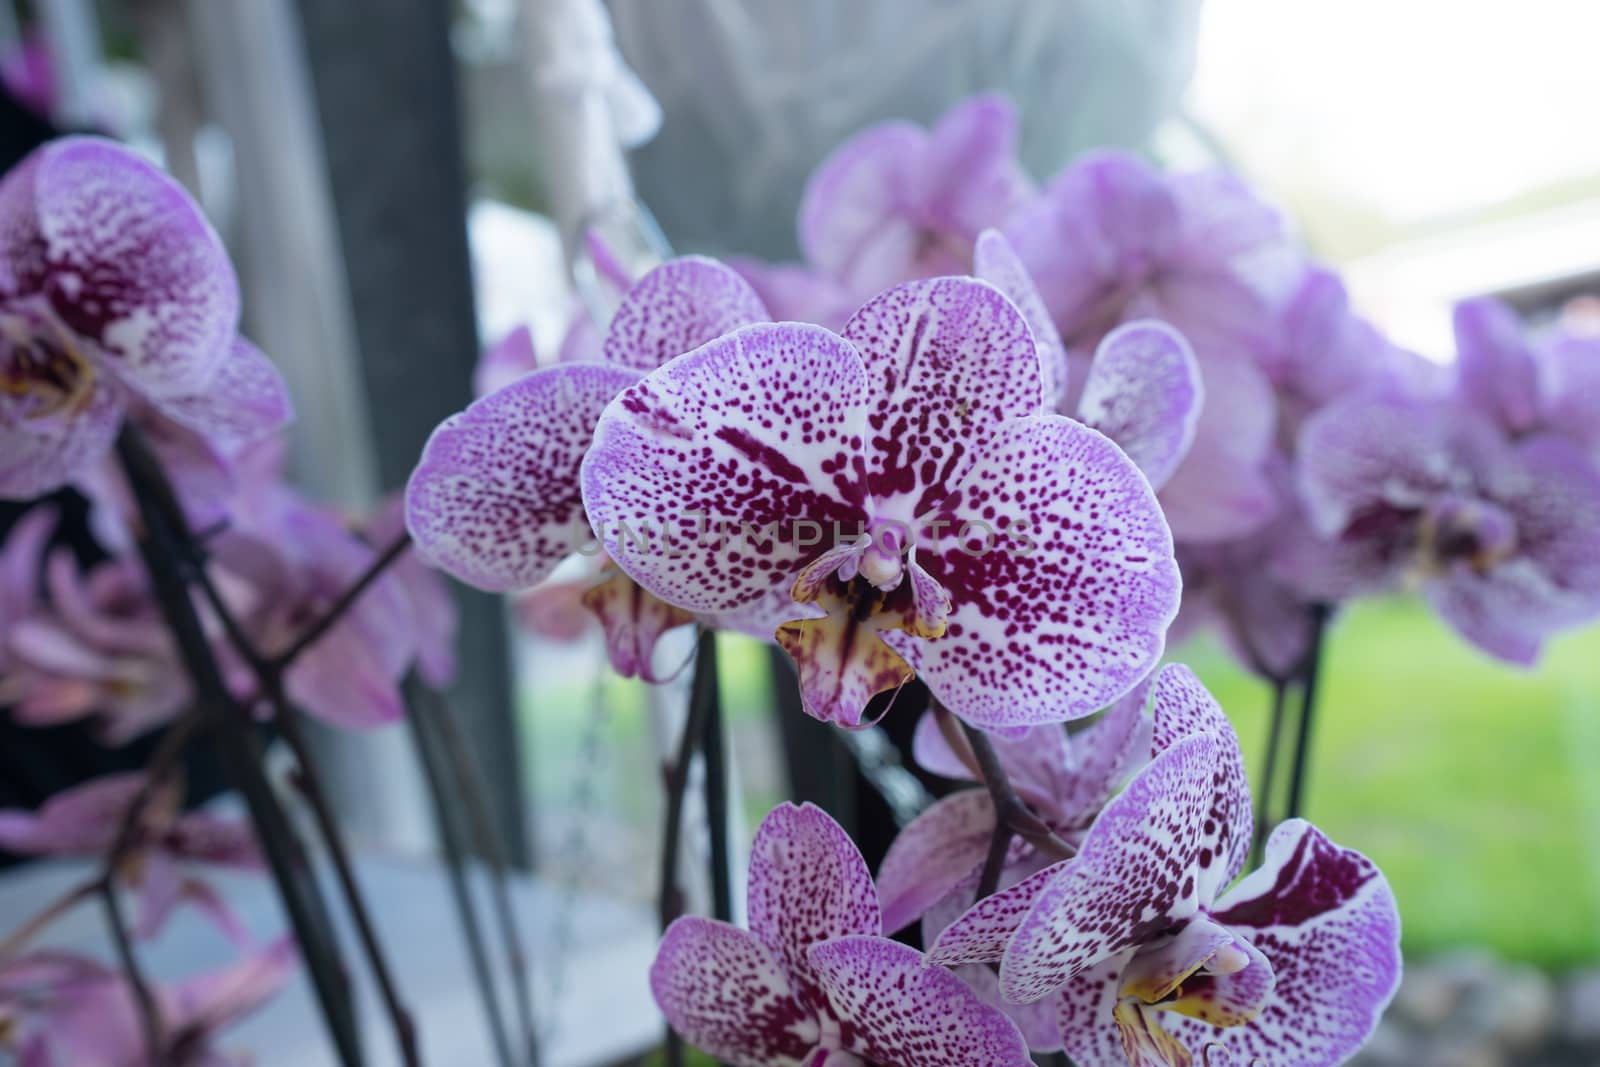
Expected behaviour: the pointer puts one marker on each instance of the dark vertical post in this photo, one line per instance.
(384, 80)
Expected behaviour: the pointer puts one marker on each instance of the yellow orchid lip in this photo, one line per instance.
(42, 362)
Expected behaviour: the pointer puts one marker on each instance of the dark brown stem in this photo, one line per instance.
(319, 629)
(328, 828)
(167, 548)
(18, 938)
(1308, 703)
(149, 1013)
(1269, 772)
(1012, 816)
(705, 687)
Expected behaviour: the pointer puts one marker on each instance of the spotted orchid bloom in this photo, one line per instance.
(115, 295)
(495, 500)
(1112, 240)
(1143, 389)
(1150, 959)
(63, 1010)
(900, 485)
(813, 982)
(934, 863)
(1499, 534)
(166, 847)
(1528, 385)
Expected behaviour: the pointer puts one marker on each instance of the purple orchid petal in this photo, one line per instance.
(981, 933)
(808, 883)
(856, 202)
(1144, 392)
(76, 821)
(1069, 612)
(634, 621)
(433, 607)
(213, 1001)
(345, 680)
(692, 447)
(1134, 875)
(727, 994)
(130, 263)
(245, 400)
(1085, 1008)
(1570, 378)
(899, 1011)
(970, 178)
(996, 262)
(1495, 367)
(494, 500)
(104, 622)
(218, 840)
(1036, 1022)
(937, 851)
(508, 359)
(160, 889)
(1153, 975)
(1236, 998)
(677, 307)
(40, 454)
(1222, 490)
(21, 557)
(1105, 756)
(1327, 922)
(932, 750)
(554, 609)
(1039, 760)
(1183, 708)
(952, 360)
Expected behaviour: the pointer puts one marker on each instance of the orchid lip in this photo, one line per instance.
(40, 361)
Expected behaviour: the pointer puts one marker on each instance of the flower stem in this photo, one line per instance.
(469, 779)
(705, 688)
(436, 772)
(163, 546)
(149, 1013)
(1013, 818)
(18, 938)
(1308, 703)
(319, 628)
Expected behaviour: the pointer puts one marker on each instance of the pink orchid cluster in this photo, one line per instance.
(119, 334)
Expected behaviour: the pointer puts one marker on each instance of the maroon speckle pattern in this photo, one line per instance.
(1133, 878)
(981, 934)
(1070, 608)
(1184, 707)
(755, 431)
(1326, 921)
(808, 883)
(1143, 391)
(726, 993)
(130, 263)
(896, 1012)
(495, 500)
(996, 262)
(949, 360)
(676, 307)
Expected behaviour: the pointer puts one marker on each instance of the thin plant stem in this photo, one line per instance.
(705, 687)
(1012, 816)
(319, 628)
(310, 780)
(469, 778)
(163, 547)
(18, 938)
(1269, 771)
(1308, 704)
(436, 772)
(149, 1013)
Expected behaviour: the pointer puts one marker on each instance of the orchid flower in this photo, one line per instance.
(1143, 389)
(21, 558)
(61, 1010)
(115, 294)
(1016, 560)
(495, 500)
(1527, 385)
(1499, 534)
(1144, 948)
(86, 819)
(814, 983)
(97, 650)
(1112, 240)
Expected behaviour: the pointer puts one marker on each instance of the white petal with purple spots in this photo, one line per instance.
(677, 307)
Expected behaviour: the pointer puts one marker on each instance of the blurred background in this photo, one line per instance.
(396, 195)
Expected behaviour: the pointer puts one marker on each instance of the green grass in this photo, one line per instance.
(1474, 785)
